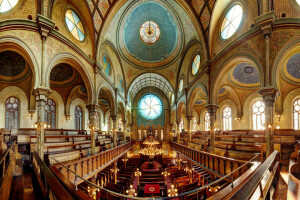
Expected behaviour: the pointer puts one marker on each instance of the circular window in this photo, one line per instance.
(196, 64)
(74, 25)
(231, 21)
(6, 5)
(180, 85)
(149, 32)
(150, 107)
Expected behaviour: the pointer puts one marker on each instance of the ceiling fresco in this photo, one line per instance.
(135, 33)
(11, 64)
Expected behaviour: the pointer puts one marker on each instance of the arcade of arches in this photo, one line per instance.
(186, 99)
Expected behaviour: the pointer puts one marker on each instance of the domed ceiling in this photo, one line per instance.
(63, 74)
(245, 74)
(149, 34)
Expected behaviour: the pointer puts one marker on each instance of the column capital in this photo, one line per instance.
(114, 117)
(268, 94)
(45, 25)
(211, 108)
(41, 93)
(92, 107)
(265, 22)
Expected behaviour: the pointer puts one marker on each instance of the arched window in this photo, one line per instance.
(258, 115)
(206, 121)
(296, 109)
(12, 113)
(181, 125)
(50, 113)
(227, 119)
(6, 5)
(120, 124)
(194, 124)
(78, 118)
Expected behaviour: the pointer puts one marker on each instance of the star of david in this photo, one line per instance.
(152, 189)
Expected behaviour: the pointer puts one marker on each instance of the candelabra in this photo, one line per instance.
(92, 192)
(138, 173)
(172, 192)
(179, 162)
(125, 161)
(214, 189)
(115, 171)
(190, 172)
(131, 192)
(165, 173)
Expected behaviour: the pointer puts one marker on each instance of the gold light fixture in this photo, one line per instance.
(172, 192)
(131, 192)
(138, 173)
(151, 148)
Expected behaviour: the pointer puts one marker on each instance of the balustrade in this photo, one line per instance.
(91, 165)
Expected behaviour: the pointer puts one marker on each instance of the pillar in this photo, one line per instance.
(212, 109)
(41, 96)
(93, 126)
(178, 131)
(189, 119)
(124, 130)
(269, 95)
(114, 118)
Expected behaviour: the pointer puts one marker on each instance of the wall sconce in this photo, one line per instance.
(31, 113)
(279, 116)
(68, 117)
(237, 118)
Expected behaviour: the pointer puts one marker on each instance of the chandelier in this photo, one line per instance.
(151, 148)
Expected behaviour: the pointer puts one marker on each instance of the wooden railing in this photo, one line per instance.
(7, 165)
(91, 165)
(49, 185)
(218, 165)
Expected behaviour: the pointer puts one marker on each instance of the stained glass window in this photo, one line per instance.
(149, 32)
(194, 124)
(296, 109)
(6, 5)
(12, 113)
(180, 85)
(181, 125)
(196, 64)
(120, 124)
(107, 66)
(78, 118)
(258, 115)
(150, 106)
(206, 121)
(231, 21)
(50, 113)
(74, 25)
(227, 119)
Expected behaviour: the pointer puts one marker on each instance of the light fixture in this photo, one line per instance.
(151, 148)
(138, 173)
(279, 116)
(131, 192)
(172, 192)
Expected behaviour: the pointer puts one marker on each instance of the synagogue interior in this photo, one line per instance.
(149, 99)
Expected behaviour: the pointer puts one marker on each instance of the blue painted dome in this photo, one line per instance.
(293, 66)
(245, 73)
(166, 41)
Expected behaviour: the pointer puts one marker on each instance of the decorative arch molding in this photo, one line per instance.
(115, 64)
(235, 99)
(121, 109)
(287, 111)
(191, 96)
(222, 70)
(111, 95)
(71, 98)
(14, 44)
(77, 64)
(192, 48)
(181, 105)
(106, 86)
(282, 58)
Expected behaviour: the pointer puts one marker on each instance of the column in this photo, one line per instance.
(189, 118)
(124, 130)
(211, 109)
(93, 126)
(178, 131)
(269, 95)
(41, 96)
(114, 118)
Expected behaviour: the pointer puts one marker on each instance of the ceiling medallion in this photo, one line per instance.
(248, 70)
(150, 32)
